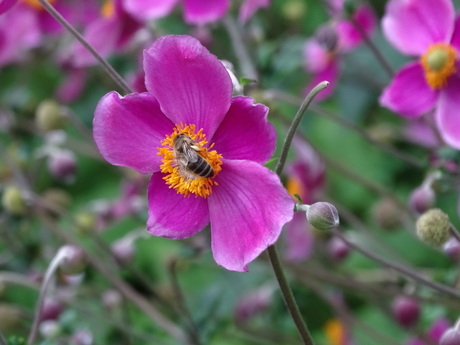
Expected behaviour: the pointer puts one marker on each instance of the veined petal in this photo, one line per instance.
(247, 211)
(245, 132)
(409, 94)
(447, 112)
(128, 130)
(205, 11)
(173, 215)
(413, 25)
(149, 9)
(455, 40)
(191, 84)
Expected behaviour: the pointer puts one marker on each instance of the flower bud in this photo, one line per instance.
(123, 250)
(13, 201)
(49, 329)
(433, 227)
(10, 318)
(252, 304)
(337, 248)
(111, 299)
(452, 248)
(450, 337)
(51, 309)
(406, 311)
(63, 165)
(85, 222)
(422, 199)
(294, 10)
(387, 214)
(74, 261)
(323, 216)
(49, 116)
(81, 337)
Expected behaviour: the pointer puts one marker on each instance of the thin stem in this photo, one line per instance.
(454, 233)
(2, 339)
(398, 267)
(295, 123)
(54, 264)
(108, 68)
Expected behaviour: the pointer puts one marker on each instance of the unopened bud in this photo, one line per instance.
(422, 199)
(51, 309)
(433, 227)
(406, 311)
(323, 216)
(111, 299)
(387, 214)
(13, 201)
(294, 10)
(50, 329)
(81, 337)
(63, 165)
(10, 318)
(452, 248)
(252, 304)
(74, 261)
(49, 116)
(450, 337)
(85, 222)
(123, 250)
(337, 248)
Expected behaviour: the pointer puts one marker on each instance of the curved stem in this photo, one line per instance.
(108, 68)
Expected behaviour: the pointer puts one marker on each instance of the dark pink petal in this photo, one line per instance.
(205, 11)
(149, 9)
(5, 5)
(316, 57)
(455, 40)
(73, 84)
(249, 7)
(191, 84)
(128, 130)
(245, 132)
(299, 238)
(349, 35)
(409, 94)
(247, 211)
(330, 74)
(447, 112)
(413, 25)
(103, 34)
(171, 214)
(438, 328)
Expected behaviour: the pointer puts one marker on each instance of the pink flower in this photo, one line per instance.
(250, 7)
(5, 5)
(426, 29)
(221, 181)
(322, 52)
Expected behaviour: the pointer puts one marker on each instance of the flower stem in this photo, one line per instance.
(295, 123)
(108, 68)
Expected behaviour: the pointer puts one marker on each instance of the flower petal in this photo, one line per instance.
(149, 9)
(247, 211)
(409, 94)
(250, 7)
(173, 215)
(298, 238)
(455, 40)
(349, 35)
(330, 74)
(245, 132)
(191, 84)
(128, 130)
(447, 112)
(5, 5)
(205, 11)
(413, 25)
(316, 57)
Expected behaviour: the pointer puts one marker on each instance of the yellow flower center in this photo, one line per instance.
(335, 332)
(36, 4)
(108, 9)
(294, 186)
(439, 64)
(184, 173)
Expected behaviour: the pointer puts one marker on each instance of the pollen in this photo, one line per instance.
(108, 9)
(439, 64)
(36, 4)
(177, 176)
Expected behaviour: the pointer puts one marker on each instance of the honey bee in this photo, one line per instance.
(188, 159)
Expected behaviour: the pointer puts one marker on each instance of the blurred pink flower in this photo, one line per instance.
(250, 7)
(190, 95)
(426, 29)
(5, 5)
(322, 52)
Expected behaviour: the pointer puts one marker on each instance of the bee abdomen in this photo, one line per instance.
(201, 168)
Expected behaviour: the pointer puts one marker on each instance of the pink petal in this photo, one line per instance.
(247, 211)
(409, 94)
(245, 132)
(330, 74)
(447, 112)
(413, 25)
(298, 238)
(171, 214)
(128, 130)
(5, 5)
(149, 9)
(350, 36)
(455, 40)
(190, 83)
(317, 58)
(249, 7)
(73, 84)
(205, 11)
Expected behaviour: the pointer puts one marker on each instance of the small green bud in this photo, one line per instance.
(433, 227)
(13, 201)
(10, 318)
(85, 222)
(49, 116)
(323, 216)
(294, 10)
(387, 214)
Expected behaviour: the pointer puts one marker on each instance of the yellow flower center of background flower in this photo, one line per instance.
(335, 332)
(294, 186)
(108, 9)
(183, 180)
(439, 64)
(36, 4)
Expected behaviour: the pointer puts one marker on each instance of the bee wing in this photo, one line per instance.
(189, 154)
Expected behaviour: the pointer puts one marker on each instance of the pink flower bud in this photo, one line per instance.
(323, 216)
(123, 250)
(450, 337)
(406, 311)
(337, 249)
(452, 248)
(51, 309)
(62, 164)
(422, 199)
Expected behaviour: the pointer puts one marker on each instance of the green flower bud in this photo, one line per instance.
(13, 201)
(85, 222)
(49, 116)
(433, 227)
(294, 10)
(387, 214)
(323, 216)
